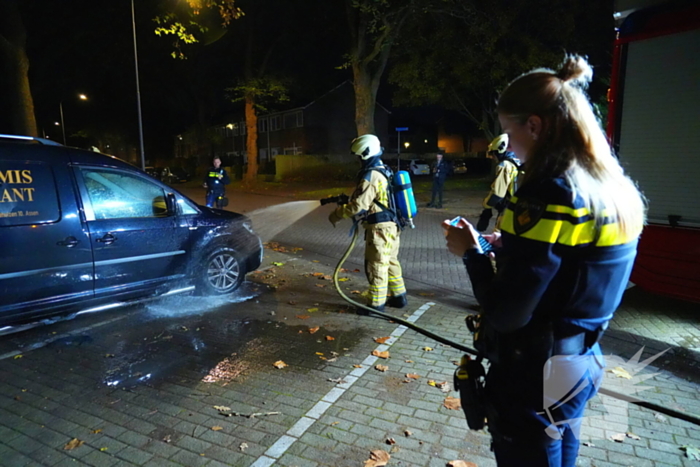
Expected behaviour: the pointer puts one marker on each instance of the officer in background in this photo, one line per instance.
(567, 243)
(440, 170)
(369, 202)
(215, 181)
(504, 183)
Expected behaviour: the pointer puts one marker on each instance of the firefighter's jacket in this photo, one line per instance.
(555, 270)
(373, 185)
(503, 186)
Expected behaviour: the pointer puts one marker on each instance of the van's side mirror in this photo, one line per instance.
(171, 203)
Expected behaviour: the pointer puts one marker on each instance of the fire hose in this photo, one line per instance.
(474, 424)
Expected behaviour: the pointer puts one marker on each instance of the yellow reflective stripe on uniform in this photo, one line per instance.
(565, 232)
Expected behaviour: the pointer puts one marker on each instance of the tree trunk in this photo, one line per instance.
(251, 124)
(18, 102)
(365, 100)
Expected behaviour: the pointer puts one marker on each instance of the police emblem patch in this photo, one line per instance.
(526, 214)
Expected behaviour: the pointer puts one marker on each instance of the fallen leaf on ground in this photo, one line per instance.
(660, 418)
(620, 372)
(18, 356)
(691, 452)
(292, 302)
(343, 279)
(428, 349)
(311, 310)
(72, 444)
(314, 329)
(337, 380)
(103, 449)
(381, 340)
(407, 433)
(243, 447)
(356, 292)
(315, 261)
(427, 294)
(303, 316)
(277, 263)
(377, 458)
(357, 366)
(461, 464)
(320, 353)
(384, 354)
(409, 361)
(381, 367)
(97, 431)
(618, 437)
(330, 338)
(217, 428)
(590, 445)
(412, 375)
(334, 423)
(317, 274)
(327, 277)
(222, 408)
(279, 364)
(452, 403)
(632, 435)
(109, 355)
(390, 441)
(320, 285)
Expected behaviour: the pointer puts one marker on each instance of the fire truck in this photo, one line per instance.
(654, 127)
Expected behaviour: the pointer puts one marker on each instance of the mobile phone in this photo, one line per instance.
(486, 247)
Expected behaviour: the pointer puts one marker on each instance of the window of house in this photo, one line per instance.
(262, 125)
(293, 120)
(275, 123)
(300, 119)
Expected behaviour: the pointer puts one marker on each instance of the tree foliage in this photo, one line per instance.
(194, 21)
(462, 55)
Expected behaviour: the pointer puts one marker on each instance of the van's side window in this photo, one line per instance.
(117, 195)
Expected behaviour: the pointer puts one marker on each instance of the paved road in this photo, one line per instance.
(141, 386)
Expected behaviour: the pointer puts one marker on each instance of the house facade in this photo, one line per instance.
(322, 127)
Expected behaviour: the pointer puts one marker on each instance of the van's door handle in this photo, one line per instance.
(107, 239)
(69, 242)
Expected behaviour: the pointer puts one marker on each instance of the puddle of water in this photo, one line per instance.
(186, 305)
(269, 221)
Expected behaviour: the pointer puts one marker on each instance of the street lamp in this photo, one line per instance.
(82, 97)
(406, 145)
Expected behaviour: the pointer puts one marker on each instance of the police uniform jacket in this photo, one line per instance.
(213, 181)
(372, 186)
(557, 274)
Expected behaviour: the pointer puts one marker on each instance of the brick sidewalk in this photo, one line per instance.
(332, 412)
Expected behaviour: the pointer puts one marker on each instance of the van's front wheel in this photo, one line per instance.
(223, 272)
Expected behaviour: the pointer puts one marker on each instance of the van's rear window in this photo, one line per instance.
(27, 194)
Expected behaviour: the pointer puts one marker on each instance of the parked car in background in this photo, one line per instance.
(82, 231)
(418, 167)
(174, 175)
(459, 166)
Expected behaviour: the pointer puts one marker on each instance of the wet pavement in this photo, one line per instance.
(283, 372)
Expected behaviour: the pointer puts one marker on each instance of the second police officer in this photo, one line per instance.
(215, 182)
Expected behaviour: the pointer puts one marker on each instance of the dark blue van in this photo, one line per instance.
(81, 231)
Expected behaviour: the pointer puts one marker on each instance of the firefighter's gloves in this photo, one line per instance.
(334, 218)
(484, 219)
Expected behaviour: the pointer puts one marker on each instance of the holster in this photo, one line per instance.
(469, 380)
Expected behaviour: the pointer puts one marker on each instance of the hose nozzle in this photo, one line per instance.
(340, 199)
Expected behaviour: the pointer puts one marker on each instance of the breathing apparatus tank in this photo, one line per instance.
(403, 196)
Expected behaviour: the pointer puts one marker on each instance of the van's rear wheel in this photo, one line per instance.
(223, 272)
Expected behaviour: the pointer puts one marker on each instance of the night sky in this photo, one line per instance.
(86, 46)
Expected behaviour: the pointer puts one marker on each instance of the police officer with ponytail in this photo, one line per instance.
(370, 203)
(566, 247)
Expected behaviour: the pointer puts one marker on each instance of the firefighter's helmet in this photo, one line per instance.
(499, 144)
(366, 146)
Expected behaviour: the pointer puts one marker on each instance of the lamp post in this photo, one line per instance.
(138, 90)
(82, 97)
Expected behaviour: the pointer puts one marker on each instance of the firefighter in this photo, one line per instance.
(568, 240)
(504, 183)
(370, 202)
(215, 182)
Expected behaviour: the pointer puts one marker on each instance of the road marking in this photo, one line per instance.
(281, 446)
